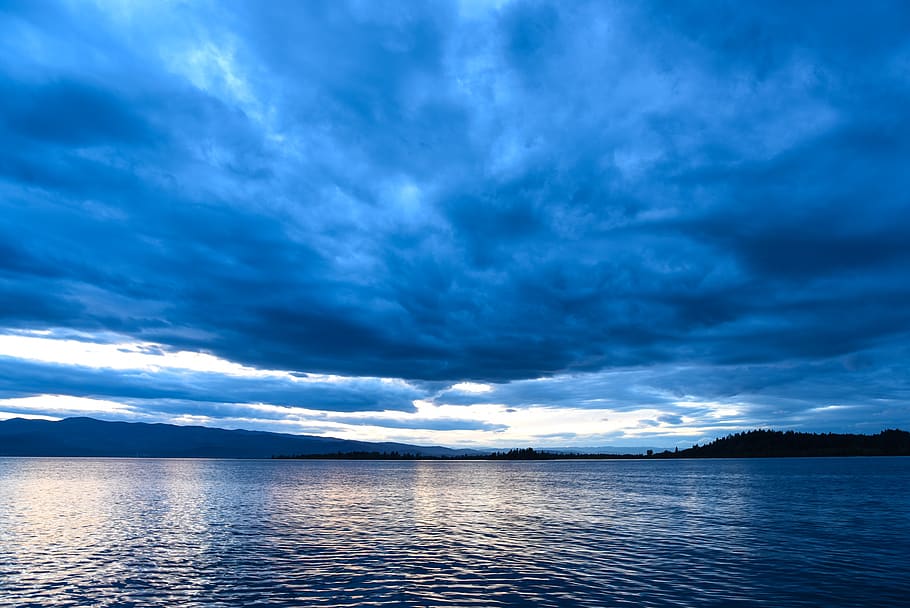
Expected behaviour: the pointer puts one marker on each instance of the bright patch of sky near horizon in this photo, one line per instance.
(463, 223)
(577, 409)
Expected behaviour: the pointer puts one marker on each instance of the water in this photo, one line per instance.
(125, 532)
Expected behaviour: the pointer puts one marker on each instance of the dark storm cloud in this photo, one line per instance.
(440, 192)
(70, 113)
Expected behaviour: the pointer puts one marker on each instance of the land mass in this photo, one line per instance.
(81, 437)
(767, 443)
(750, 444)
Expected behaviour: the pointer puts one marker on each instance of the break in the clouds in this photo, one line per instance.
(474, 222)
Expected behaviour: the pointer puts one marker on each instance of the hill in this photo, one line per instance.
(767, 443)
(90, 437)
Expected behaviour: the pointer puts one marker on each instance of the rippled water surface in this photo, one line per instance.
(795, 532)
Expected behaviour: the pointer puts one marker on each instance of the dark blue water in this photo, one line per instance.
(795, 532)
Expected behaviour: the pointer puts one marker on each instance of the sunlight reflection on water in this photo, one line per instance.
(124, 532)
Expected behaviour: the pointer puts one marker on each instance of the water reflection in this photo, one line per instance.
(225, 533)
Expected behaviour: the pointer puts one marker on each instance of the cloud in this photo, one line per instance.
(69, 112)
(65, 405)
(438, 424)
(354, 394)
(445, 194)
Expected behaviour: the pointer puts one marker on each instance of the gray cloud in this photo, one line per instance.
(410, 191)
(19, 378)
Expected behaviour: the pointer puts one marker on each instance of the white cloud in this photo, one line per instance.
(471, 387)
(11, 415)
(127, 355)
(41, 346)
(65, 404)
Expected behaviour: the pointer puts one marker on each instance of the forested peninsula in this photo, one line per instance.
(750, 444)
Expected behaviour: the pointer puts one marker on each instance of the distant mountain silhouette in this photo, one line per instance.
(766, 443)
(90, 437)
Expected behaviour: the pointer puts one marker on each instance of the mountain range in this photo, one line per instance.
(91, 437)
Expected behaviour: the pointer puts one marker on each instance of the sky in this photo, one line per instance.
(475, 223)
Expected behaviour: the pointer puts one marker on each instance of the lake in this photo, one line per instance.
(133, 532)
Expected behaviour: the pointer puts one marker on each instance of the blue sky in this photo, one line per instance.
(465, 223)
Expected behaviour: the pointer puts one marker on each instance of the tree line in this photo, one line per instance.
(760, 443)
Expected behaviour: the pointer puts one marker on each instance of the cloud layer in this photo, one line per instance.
(590, 203)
